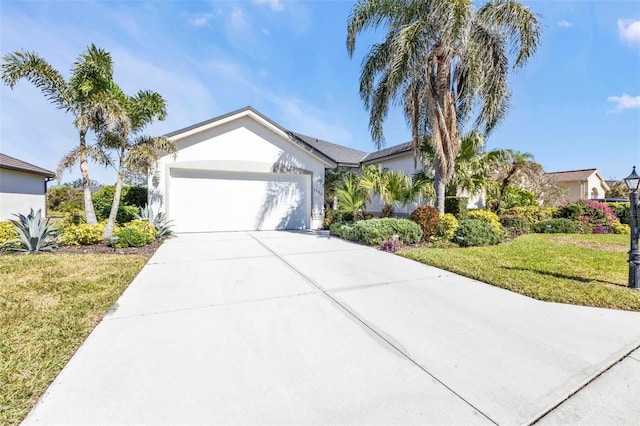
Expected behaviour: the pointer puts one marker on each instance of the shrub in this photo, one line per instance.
(622, 211)
(8, 233)
(342, 230)
(72, 218)
(601, 229)
(427, 218)
(457, 206)
(571, 211)
(387, 210)
(447, 226)
(486, 216)
(60, 198)
(474, 232)
(374, 231)
(620, 228)
(391, 245)
(136, 233)
(531, 214)
(159, 221)
(103, 199)
(82, 234)
(134, 196)
(34, 233)
(554, 226)
(515, 225)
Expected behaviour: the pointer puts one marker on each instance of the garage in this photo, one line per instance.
(240, 172)
(205, 200)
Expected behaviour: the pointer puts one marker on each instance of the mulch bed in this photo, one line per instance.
(146, 251)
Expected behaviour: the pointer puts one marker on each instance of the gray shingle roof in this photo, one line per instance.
(388, 152)
(340, 154)
(10, 163)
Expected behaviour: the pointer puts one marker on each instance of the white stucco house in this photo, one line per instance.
(243, 171)
(23, 186)
(583, 184)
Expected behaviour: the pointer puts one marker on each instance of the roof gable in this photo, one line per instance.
(260, 119)
(11, 163)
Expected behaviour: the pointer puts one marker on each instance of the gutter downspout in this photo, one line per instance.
(46, 202)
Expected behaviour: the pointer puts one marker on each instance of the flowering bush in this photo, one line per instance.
(589, 216)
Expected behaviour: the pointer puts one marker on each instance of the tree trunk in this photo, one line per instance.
(117, 191)
(89, 212)
(440, 189)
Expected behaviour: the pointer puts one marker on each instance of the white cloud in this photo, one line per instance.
(276, 5)
(565, 24)
(624, 102)
(629, 31)
(237, 20)
(200, 19)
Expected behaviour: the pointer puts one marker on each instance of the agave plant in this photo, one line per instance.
(34, 233)
(159, 221)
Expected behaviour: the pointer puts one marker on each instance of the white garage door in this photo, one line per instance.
(203, 201)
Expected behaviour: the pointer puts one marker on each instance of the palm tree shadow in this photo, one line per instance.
(562, 276)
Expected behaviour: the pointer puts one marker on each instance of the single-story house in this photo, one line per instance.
(242, 171)
(23, 186)
(583, 184)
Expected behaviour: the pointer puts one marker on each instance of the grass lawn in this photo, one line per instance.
(590, 270)
(49, 303)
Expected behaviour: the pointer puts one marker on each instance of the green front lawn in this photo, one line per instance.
(590, 270)
(49, 303)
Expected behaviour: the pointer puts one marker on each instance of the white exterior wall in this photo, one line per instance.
(19, 193)
(595, 187)
(239, 145)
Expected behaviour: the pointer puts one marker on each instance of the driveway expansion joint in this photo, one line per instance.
(201, 307)
(586, 383)
(376, 332)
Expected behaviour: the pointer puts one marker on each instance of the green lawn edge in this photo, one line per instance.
(49, 304)
(588, 270)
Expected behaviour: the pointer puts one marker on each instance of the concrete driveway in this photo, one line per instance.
(303, 328)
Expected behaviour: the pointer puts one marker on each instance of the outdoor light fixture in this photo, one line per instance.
(633, 182)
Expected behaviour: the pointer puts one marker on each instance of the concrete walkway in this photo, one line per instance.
(302, 328)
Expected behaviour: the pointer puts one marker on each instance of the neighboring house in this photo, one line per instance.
(23, 187)
(242, 171)
(581, 184)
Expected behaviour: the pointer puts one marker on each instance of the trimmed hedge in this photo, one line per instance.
(372, 232)
(82, 234)
(447, 226)
(474, 232)
(554, 226)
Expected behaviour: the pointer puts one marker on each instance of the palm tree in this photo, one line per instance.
(352, 197)
(514, 164)
(85, 95)
(445, 63)
(133, 150)
(473, 165)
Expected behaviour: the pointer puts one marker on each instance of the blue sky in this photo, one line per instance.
(575, 105)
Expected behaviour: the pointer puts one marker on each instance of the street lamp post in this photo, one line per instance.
(633, 182)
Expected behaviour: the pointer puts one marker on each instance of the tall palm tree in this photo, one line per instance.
(85, 95)
(445, 63)
(133, 150)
